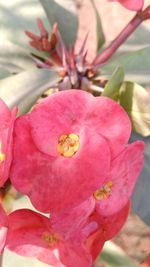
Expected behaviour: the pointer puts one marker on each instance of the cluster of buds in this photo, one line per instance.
(73, 68)
(70, 155)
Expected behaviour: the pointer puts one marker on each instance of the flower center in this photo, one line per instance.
(104, 192)
(68, 144)
(50, 239)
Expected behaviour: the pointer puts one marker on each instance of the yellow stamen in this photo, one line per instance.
(2, 155)
(68, 144)
(50, 239)
(104, 192)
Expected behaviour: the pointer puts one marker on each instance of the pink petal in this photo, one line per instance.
(3, 228)
(95, 243)
(110, 120)
(111, 225)
(54, 183)
(59, 114)
(7, 119)
(25, 237)
(75, 255)
(125, 170)
(108, 227)
(134, 5)
(69, 221)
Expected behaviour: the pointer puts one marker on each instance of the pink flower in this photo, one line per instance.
(54, 244)
(3, 228)
(134, 5)
(7, 119)
(36, 238)
(118, 188)
(64, 147)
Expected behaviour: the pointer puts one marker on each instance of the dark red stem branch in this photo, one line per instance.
(121, 38)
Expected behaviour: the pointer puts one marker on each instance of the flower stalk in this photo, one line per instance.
(122, 37)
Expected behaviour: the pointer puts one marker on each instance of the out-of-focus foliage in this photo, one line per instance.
(99, 30)
(15, 55)
(114, 83)
(64, 13)
(17, 16)
(14, 58)
(25, 88)
(4, 73)
(141, 196)
(135, 64)
(136, 101)
(113, 256)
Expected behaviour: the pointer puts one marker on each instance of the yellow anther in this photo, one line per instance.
(50, 239)
(68, 144)
(2, 155)
(104, 192)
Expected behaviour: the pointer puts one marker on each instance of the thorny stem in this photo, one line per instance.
(120, 39)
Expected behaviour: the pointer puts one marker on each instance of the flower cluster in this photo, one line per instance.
(70, 155)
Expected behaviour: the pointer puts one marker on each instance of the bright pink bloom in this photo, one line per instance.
(36, 238)
(3, 228)
(52, 242)
(134, 5)
(118, 189)
(107, 228)
(63, 148)
(7, 119)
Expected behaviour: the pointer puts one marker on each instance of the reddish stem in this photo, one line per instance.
(121, 38)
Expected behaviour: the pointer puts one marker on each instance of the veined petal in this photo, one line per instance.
(69, 221)
(125, 170)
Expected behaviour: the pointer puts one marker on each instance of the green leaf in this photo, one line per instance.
(136, 101)
(4, 73)
(17, 16)
(135, 64)
(63, 12)
(24, 89)
(14, 58)
(141, 195)
(99, 30)
(113, 85)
